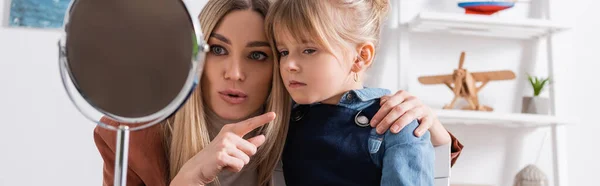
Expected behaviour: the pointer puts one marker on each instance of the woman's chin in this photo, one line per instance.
(233, 114)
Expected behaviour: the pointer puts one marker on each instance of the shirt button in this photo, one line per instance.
(349, 96)
(298, 115)
(361, 120)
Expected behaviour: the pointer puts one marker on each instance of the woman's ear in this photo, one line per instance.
(365, 52)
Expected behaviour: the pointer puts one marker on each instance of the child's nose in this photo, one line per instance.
(291, 65)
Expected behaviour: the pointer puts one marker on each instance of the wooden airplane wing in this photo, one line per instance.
(493, 75)
(441, 79)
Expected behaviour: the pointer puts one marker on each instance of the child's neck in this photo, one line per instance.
(334, 100)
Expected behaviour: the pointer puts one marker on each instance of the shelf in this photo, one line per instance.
(463, 117)
(482, 25)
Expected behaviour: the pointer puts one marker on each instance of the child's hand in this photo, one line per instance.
(400, 109)
(228, 151)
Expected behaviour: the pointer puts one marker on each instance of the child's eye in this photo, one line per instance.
(309, 51)
(284, 53)
(218, 50)
(258, 56)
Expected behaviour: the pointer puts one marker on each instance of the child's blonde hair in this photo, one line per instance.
(344, 22)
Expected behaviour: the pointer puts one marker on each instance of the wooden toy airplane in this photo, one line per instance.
(464, 84)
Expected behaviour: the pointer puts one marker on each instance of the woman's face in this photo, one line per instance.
(239, 66)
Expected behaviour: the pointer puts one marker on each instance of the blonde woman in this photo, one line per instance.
(232, 129)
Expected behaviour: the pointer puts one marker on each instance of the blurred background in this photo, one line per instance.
(45, 141)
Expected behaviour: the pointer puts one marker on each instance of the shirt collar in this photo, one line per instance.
(357, 98)
(365, 94)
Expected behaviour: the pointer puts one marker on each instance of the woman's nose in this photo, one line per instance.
(233, 71)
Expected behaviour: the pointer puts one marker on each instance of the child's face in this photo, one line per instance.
(311, 73)
(238, 70)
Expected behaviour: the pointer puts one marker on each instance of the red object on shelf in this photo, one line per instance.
(485, 8)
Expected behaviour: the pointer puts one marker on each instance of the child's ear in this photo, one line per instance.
(365, 52)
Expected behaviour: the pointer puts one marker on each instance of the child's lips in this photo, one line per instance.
(296, 84)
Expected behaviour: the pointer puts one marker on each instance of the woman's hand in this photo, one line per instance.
(228, 150)
(400, 109)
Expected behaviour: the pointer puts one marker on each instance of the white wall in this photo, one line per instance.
(45, 141)
(584, 154)
(493, 155)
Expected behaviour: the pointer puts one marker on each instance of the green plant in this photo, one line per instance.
(538, 84)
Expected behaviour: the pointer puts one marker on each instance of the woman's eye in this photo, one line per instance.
(309, 51)
(259, 56)
(284, 53)
(218, 50)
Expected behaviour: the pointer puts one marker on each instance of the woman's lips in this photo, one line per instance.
(233, 96)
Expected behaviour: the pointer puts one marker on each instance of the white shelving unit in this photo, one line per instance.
(460, 117)
(480, 25)
(497, 27)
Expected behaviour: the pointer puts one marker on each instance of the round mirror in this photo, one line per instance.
(133, 61)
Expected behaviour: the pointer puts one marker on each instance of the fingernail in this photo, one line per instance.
(395, 128)
(373, 122)
(378, 131)
(419, 133)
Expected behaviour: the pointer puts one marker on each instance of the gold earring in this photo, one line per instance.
(355, 77)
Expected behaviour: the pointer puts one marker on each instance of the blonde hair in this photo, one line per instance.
(187, 132)
(346, 23)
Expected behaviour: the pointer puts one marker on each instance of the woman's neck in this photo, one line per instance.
(216, 122)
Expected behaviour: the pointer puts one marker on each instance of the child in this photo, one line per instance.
(324, 48)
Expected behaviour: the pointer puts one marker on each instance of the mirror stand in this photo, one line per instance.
(121, 156)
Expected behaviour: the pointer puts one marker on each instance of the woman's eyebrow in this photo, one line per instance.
(220, 37)
(258, 44)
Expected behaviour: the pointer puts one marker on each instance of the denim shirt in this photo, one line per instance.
(403, 158)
